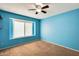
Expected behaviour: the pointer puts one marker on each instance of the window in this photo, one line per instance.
(22, 28)
(28, 29)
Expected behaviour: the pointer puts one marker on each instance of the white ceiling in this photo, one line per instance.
(54, 9)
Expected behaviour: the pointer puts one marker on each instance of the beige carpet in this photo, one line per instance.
(38, 48)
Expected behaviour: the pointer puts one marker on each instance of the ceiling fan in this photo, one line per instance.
(40, 8)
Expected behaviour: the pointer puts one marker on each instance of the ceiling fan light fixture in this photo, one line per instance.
(38, 10)
(39, 7)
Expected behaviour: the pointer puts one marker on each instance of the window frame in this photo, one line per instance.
(25, 21)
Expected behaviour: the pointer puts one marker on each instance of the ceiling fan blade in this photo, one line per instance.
(43, 11)
(36, 13)
(45, 7)
(31, 9)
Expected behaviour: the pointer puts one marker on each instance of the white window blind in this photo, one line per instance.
(22, 28)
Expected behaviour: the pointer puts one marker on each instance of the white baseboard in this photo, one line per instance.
(62, 46)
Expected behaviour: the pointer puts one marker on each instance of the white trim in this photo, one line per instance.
(22, 20)
(62, 46)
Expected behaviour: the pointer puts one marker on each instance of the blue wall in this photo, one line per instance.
(62, 29)
(5, 40)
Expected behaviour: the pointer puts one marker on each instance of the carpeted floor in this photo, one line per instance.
(38, 48)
